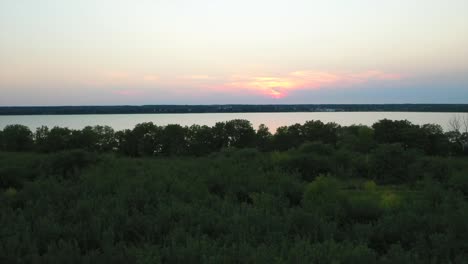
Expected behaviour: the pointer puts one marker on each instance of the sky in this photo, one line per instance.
(113, 52)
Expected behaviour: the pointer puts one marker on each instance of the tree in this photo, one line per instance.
(127, 143)
(318, 131)
(174, 140)
(86, 138)
(389, 131)
(429, 138)
(390, 163)
(1, 141)
(40, 138)
(148, 139)
(17, 138)
(357, 138)
(436, 142)
(240, 133)
(200, 140)
(105, 138)
(455, 123)
(58, 139)
(263, 138)
(287, 137)
(220, 138)
(459, 132)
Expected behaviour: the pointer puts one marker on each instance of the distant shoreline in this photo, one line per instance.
(229, 108)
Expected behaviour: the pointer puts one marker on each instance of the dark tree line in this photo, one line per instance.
(234, 108)
(148, 139)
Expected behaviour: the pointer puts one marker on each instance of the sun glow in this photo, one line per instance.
(279, 86)
(275, 86)
(272, 86)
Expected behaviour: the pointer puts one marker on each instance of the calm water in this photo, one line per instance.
(272, 120)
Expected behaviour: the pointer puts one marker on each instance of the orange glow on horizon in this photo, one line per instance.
(274, 86)
(278, 86)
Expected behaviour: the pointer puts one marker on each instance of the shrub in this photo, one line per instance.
(323, 195)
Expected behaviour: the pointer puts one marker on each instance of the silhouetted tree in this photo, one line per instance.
(17, 138)
(263, 138)
(2, 147)
(398, 131)
(105, 138)
(40, 138)
(127, 142)
(435, 141)
(174, 140)
(59, 139)
(240, 133)
(458, 134)
(200, 140)
(318, 131)
(149, 138)
(288, 137)
(220, 137)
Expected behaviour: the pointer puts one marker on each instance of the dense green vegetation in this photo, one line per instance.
(232, 108)
(312, 193)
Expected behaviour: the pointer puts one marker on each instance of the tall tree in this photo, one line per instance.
(17, 138)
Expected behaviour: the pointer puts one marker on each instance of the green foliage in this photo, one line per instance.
(323, 195)
(390, 163)
(357, 138)
(69, 164)
(148, 139)
(16, 138)
(200, 140)
(235, 206)
(240, 133)
(174, 140)
(429, 137)
(200, 194)
(263, 138)
(59, 139)
(459, 182)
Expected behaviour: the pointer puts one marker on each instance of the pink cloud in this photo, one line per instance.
(279, 86)
(269, 85)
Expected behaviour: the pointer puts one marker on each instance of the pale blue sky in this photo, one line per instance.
(66, 52)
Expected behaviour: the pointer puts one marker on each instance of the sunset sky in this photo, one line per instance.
(105, 52)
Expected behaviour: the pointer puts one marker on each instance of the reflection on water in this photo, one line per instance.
(272, 120)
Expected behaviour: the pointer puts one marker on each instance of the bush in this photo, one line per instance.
(69, 164)
(459, 182)
(390, 163)
(310, 160)
(323, 195)
(363, 208)
(15, 176)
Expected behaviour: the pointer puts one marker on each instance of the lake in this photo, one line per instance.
(272, 120)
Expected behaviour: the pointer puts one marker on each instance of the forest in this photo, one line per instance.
(394, 192)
